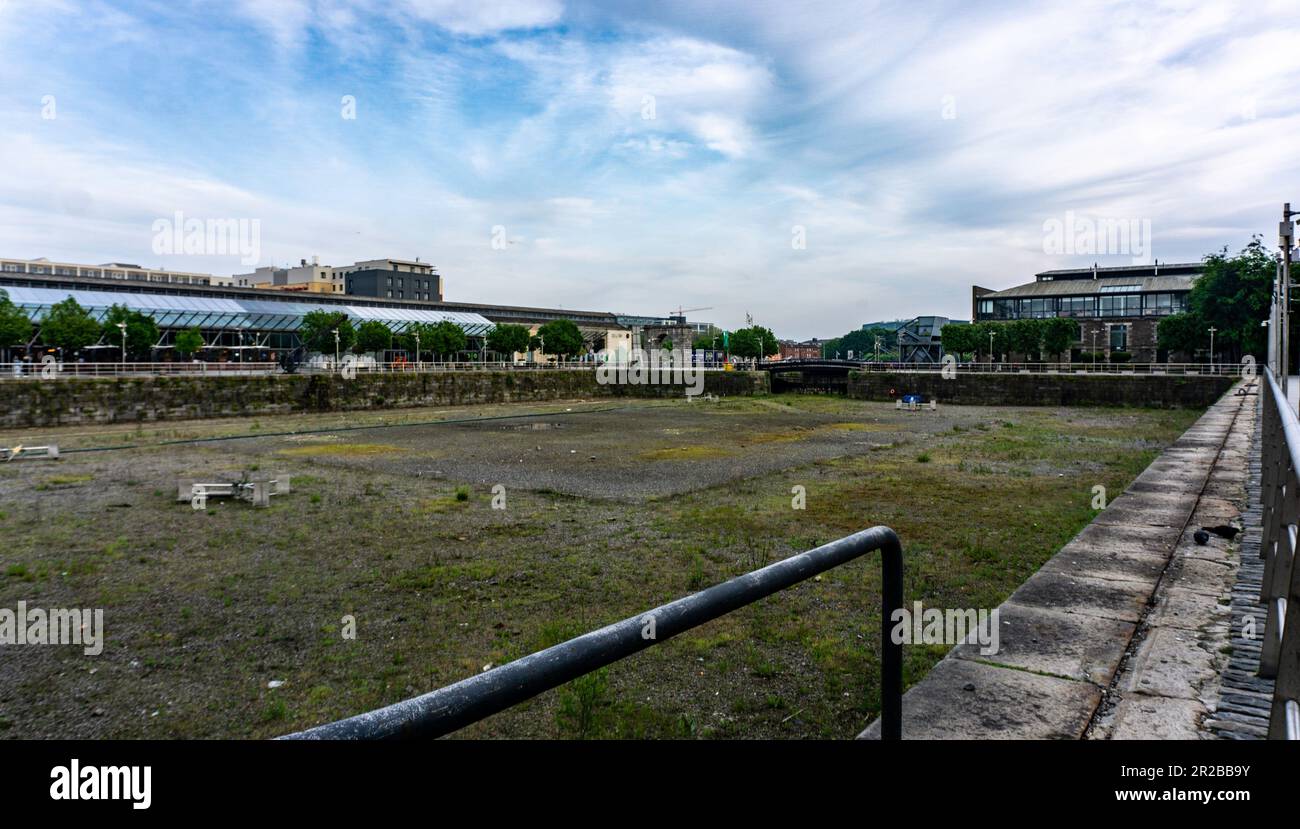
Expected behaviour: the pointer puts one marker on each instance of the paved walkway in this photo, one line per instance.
(1125, 632)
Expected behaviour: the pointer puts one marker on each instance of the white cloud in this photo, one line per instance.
(470, 17)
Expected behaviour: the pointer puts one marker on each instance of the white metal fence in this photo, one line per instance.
(67, 370)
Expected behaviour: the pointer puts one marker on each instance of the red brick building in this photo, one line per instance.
(806, 350)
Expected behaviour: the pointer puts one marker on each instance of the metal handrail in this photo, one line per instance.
(1079, 367)
(447, 709)
(1280, 591)
(66, 370)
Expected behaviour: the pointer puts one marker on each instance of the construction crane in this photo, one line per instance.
(681, 312)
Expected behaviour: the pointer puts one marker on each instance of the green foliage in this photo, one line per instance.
(862, 342)
(1025, 337)
(373, 335)
(1120, 356)
(1183, 333)
(444, 338)
(1000, 340)
(1059, 333)
(317, 331)
(710, 341)
(188, 342)
(69, 326)
(15, 327)
(959, 339)
(755, 342)
(1233, 296)
(141, 330)
(561, 337)
(582, 703)
(508, 339)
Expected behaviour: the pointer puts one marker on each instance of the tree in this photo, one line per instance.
(15, 327)
(69, 326)
(1059, 333)
(755, 342)
(561, 337)
(1233, 297)
(445, 338)
(1183, 333)
(372, 335)
(708, 342)
(959, 339)
(999, 339)
(188, 342)
(508, 339)
(141, 330)
(1025, 337)
(317, 331)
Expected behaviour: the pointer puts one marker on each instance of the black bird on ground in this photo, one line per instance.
(1202, 535)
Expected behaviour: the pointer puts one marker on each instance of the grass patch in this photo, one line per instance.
(344, 450)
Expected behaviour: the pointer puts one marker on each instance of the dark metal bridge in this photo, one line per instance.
(820, 375)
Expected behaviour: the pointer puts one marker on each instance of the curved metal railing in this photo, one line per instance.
(451, 708)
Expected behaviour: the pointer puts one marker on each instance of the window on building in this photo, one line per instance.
(1126, 305)
(1119, 338)
(390, 294)
(1078, 306)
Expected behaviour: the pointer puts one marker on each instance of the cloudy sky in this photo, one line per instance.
(816, 165)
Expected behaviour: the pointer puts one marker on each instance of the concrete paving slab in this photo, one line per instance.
(1140, 717)
(1122, 601)
(1170, 662)
(1157, 541)
(1155, 515)
(1062, 644)
(1203, 575)
(1186, 609)
(964, 700)
(1107, 562)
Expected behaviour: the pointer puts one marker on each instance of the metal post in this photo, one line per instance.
(1212, 330)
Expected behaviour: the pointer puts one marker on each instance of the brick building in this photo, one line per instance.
(1118, 308)
(806, 350)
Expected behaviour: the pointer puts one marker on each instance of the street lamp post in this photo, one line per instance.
(1094, 349)
(417, 350)
(990, 349)
(336, 348)
(122, 327)
(1212, 330)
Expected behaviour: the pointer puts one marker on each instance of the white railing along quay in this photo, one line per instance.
(1280, 594)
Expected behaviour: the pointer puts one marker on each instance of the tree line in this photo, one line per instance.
(1032, 338)
(70, 327)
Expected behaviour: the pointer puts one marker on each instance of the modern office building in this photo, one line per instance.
(399, 279)
(110, 270)
(920, 341)
(1118, 308)
(392, 279)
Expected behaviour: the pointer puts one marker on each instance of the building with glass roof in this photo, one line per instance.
(258, 324)
(234, 323)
